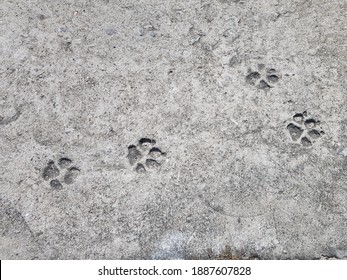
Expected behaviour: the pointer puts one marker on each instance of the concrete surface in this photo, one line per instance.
(148, 129)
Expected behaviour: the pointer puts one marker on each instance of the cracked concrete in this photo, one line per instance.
(173, 129)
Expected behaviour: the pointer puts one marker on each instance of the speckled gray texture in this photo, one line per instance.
(173, 129)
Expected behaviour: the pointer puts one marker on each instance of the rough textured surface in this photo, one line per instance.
(148, 129)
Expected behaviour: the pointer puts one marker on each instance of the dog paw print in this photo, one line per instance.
(53, 173)
(145, 156)
(304, 129)
(264, 78)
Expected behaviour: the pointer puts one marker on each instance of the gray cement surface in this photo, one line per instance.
(182, 129)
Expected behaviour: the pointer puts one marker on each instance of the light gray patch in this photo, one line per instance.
(171, 247)
(111, 31)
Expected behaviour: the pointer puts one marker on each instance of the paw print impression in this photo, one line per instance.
(63, 173)
(304, 130)
(264, 78)
(145, 156)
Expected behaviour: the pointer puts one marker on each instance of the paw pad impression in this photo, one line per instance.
(304, 129)
(264, 78)
(145, 155)
(51, 173)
